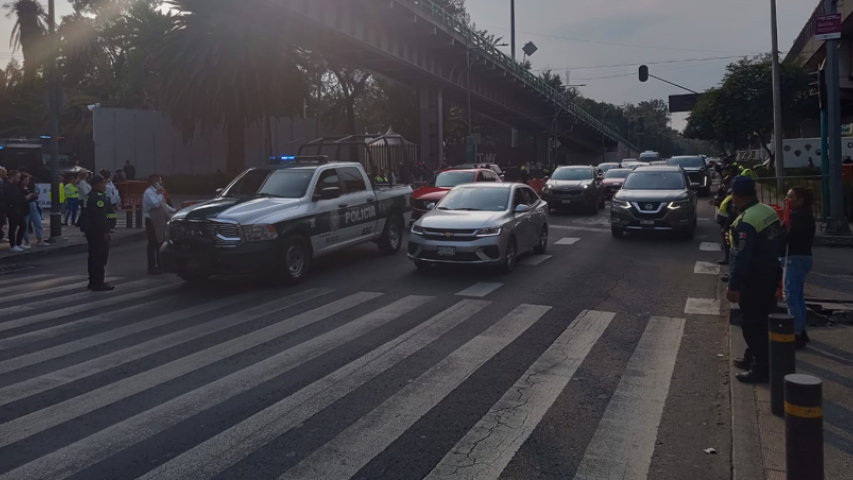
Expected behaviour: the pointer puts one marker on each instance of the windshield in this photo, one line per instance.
(649, 156)
(687, 162)
(275, 183)
(572, 174)
(655, 181)
(604, 167)
(617, 173)
(474, 199)
(451, 179)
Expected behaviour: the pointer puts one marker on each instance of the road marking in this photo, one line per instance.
(702, 306)
(706, 268)
(480, 289)
(596, 220)
(28, 278)
(623, 443)
(24, 284)
(710, 247)
(220, 452)
(534, 260)
(567, 241)
(353, 448)
(69, 299)
(49, 291)
(127, 355)
(489, 446)
(101, 445)
(581, 229)
(56, 414)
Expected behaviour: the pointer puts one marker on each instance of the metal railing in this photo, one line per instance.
(766, 188)
(476, 40)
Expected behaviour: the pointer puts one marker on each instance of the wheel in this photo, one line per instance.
(294, 260)
(540, 247)
(423, 266)
(511, 256)
(617, 232)
(392, 237)
(193, 277)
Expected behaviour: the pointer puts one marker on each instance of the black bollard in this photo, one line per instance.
(782, 360)
(129, 217)
(803, 427)
(139, 217)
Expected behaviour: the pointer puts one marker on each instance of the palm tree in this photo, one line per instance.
(227, 62)
(28, 33)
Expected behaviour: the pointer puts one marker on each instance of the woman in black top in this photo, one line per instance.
(797, 257)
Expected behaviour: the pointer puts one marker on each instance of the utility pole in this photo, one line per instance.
(837, 223)
(512, 26)
(55, 206)
(778, 131)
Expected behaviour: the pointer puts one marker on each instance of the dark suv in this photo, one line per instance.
(655, 198)
(697, 170)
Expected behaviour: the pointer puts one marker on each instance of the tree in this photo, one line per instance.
(226, 62)
(553, 80)
(27, 34)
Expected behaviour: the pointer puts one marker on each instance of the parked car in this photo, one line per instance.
(655, 198)
(697, 169)
(437, 187)
(574, 185)
(277, 218)
(481, 224)
(613, 181)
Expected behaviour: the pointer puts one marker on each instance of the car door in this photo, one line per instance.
(536, 216)
(326, 212)
(522, 228)
(358, 206)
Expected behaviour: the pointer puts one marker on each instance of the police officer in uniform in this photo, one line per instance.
(754, 236)
(97, 221)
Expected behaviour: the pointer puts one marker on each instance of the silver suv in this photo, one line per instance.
(655, 198)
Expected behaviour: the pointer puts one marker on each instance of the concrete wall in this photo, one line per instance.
(153, 144)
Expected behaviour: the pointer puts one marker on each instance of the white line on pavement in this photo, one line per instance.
(702, 306)
(706, 268)
(710, 247)
(48, 291)
(489, 446)
(17, 279)
(623, 444)
(567, 241)
(480, 289)
(534, 260)
(73, 299)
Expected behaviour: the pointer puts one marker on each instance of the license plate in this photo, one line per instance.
(446, 251)
(567, 201)
(647, 222)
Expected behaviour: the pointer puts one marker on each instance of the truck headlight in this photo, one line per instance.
(489, 232)
(620, 203)
(417, 230)
(677, 205)
(258, 233)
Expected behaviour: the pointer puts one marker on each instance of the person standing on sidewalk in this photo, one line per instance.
(72, 199)
(755, 237)
(97, 221)
(15, 200)
(797, 257)
(32, 213)
(153, 201)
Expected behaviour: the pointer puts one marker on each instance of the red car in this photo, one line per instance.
(435, 189)
(613, 180)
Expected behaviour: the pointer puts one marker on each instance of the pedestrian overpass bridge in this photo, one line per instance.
(419, 44)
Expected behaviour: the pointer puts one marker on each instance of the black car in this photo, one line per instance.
(697, 170)
(657, 198)
(576, 185)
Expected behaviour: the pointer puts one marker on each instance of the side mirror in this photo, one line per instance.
(694, 186)
(522, 209)
(219, 190)
(430, 206)
(329, 193)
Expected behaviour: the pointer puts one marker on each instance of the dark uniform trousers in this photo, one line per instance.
(99, 254)
(756, 305)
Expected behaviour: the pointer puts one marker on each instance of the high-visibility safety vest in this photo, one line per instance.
(71, 191)
(746, 172)
(760, 216)
(724, 206)
(380, 179)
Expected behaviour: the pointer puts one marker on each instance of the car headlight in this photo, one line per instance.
(489, 232)
(677, 205)
(258, 233)
(417, 229)
(585, 186)
(546, 189)
(620, 203)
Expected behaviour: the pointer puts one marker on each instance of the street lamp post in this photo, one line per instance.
(512, 26)
(778, 131)
(55, 206)
(837, 223)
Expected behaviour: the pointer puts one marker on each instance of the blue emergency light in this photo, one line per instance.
(288, 157)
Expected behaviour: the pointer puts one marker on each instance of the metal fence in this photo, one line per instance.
(769, 193)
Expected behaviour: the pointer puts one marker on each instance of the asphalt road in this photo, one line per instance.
(604, 359)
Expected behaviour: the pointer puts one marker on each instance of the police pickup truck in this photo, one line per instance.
(279, 217)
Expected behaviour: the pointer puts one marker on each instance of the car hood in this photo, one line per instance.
(568, 183)
(430, 193)
(651, 195)
(613, 181)
(461, 219)
(245, 210)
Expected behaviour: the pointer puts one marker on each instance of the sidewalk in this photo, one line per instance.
(73, 241)
(758, 435)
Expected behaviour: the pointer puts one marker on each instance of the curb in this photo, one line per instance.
(69, 249)
(832, 241)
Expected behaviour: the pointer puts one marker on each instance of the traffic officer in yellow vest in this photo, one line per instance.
(97, 221)
(754, 237)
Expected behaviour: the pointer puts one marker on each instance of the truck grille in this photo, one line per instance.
(224, 234)
(567, 192)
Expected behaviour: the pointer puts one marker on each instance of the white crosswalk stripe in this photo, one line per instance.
(293, 334)
(21, 284)
(18, 278)
(49, 291)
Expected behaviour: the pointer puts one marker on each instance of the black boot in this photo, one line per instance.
(801, 340)
(103, 288)
(743, 363)
(755, 375)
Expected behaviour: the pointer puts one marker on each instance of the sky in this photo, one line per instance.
(602, 43)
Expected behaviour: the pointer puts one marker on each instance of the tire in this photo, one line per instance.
(423, 266)
(542, 246)
(617, 232)
(392, 236)
(193, 277)
(511, 257)
(294, 260)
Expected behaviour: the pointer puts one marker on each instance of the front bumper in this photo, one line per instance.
(664, 220)
(479, 251)
(568, 199)
(202, 255)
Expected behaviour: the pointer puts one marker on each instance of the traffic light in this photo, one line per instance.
(817, 87)
(644, 73)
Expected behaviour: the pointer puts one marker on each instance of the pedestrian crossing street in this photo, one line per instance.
(159, 381)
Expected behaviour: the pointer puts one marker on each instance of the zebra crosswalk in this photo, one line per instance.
(157, 381)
